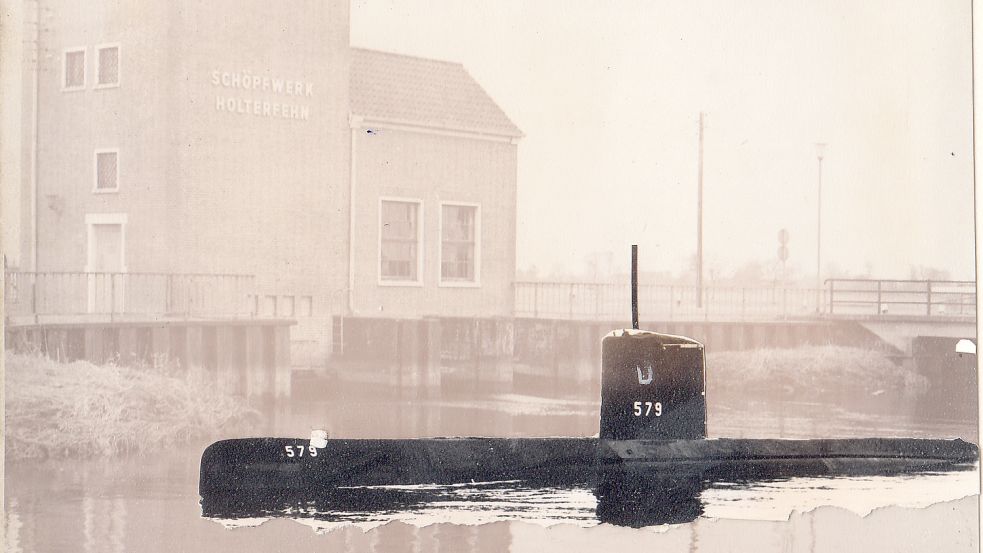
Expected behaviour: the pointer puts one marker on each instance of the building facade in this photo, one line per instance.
(250, 138)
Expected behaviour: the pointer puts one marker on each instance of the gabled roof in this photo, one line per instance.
(425, 92)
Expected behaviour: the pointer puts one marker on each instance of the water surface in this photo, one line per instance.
(151, 503)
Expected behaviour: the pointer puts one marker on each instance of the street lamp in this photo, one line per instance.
(820, 150)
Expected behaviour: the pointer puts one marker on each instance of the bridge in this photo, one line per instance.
(211, 326)
(890, 313)
(899, 311)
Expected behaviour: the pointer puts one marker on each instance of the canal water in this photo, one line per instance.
(150, 503)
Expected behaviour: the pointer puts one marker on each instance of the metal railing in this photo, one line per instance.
(924, 298)
(611, 302)
(78, 294)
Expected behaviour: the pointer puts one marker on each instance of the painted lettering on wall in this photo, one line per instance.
(286, 108)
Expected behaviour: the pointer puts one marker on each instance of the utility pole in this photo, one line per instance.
(699, 223)
(820, 151)
(36, 144)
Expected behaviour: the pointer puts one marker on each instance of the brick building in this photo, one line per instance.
(250, 138)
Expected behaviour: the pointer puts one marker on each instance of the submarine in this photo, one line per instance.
(647, 465)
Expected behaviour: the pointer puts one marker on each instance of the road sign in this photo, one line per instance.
(783, 253)
(783, 237)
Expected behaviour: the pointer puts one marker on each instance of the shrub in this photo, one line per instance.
(811, 371)
(84, 410)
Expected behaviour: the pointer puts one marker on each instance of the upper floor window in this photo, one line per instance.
(107, 171)
(400, 241)
(458, 243)
(74, 75)
(107, 66)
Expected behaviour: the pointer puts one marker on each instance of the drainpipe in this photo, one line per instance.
(355, 122)
(35, 210)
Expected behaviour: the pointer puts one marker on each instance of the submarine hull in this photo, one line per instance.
(293, 463)
(283, 463)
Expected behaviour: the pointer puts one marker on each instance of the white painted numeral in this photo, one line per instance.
(645, 408)
(298, 450)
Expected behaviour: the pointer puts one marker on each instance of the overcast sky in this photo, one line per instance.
(609, 99)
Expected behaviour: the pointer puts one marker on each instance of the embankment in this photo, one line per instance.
(84, 410)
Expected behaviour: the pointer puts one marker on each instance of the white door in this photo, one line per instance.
(106, 268)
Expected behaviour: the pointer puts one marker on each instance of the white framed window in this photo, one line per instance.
(269, 306)
(460, 244)
(106, 178)
(400, 242)
(305, 306)
(73, 69)
(107, 65)
(286, 307)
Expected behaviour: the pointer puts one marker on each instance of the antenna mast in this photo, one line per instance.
(634, 286)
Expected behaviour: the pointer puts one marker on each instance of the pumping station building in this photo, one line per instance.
(241, 160)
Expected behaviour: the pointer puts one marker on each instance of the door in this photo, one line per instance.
(106, 268)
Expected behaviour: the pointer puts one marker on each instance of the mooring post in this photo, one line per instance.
(281, 361)
(229, 353)
(34, 296)
(193, 354)
(112, 297)
(160, 346)
(431, 348)
(258, 382)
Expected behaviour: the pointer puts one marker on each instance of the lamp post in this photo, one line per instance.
(820, 151)
(699, 222)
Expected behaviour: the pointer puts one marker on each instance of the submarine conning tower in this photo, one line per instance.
(653, 387)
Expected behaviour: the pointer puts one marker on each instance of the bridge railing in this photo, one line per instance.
(30, 295)
(611, 302)
(921, 298)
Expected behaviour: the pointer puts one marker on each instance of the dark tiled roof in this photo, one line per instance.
(420, 91)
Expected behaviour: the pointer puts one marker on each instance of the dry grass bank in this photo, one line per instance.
(83, 410)
(811, 372)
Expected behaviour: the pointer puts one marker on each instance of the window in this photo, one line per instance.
(107, 171)
(458, 243)
(306, 306)
(286, 306)
(107, 66)
(74, 78)
(400, 239)
(269, 306)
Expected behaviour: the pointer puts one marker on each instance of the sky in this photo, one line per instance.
(609, 95)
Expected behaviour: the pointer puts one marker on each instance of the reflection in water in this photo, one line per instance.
(638, 498)
(476, 503)
(12, 525)
(633, 497)
(103, 524)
